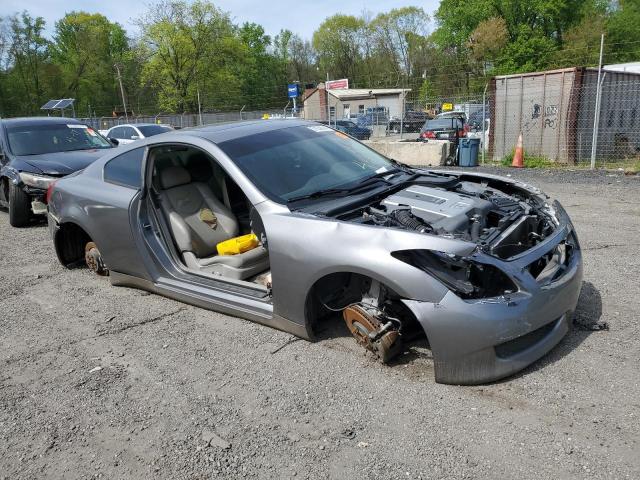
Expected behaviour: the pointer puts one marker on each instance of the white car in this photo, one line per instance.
(131, 132)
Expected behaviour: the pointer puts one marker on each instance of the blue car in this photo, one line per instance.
(350, 128)
(34, 153)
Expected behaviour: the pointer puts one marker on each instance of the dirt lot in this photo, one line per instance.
(107, 382)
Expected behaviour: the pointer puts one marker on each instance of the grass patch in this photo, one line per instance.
(629, 166)
(531, 162)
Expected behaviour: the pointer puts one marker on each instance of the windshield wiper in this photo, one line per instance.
(363, 184)
(318, 194)
(367, 182)
(393, 172)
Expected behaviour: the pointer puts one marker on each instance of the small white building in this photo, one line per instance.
(350, 102)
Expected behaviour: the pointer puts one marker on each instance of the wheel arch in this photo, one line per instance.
(314, 309)
(69, 242)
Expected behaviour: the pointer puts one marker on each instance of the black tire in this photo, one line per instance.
(19, 207)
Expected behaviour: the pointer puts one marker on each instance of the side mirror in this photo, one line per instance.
(114, 141)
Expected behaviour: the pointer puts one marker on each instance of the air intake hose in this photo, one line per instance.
(405, 218)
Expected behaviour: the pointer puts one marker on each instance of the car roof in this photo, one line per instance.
(26, 121)
(222, 132)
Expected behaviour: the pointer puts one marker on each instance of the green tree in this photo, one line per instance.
(86, 47)
(622, 32)
(400, 36)
(27, 56)
(297, 56)
(188, 47)
(337, 42)
(535, 30)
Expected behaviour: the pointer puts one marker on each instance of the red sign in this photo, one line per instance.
(337, 84)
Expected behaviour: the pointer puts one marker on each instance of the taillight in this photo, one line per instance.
(47, 197)
(460, 133)
(428, 134)
(467, 128)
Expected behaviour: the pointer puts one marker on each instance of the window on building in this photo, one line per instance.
(361, 109)
(332, 112)
(125, 169)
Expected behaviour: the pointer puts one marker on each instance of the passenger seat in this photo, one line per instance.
(199, 221)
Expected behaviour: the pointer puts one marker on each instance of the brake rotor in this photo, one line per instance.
(361, 324)
(365, 328)
(93, 259)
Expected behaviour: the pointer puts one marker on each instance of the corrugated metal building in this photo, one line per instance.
(554, 111)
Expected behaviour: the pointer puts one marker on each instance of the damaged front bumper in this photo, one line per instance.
(481, 340)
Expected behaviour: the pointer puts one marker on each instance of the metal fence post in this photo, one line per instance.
(484, 122)
(404, 95)
(596, 115)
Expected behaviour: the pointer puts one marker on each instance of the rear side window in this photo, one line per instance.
(443, 123)
(126, 169)
(115, 132)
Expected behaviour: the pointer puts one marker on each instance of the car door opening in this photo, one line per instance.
(204, 208)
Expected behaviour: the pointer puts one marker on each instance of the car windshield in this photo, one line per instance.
(297, 161)
(151, 130)
(53, 138)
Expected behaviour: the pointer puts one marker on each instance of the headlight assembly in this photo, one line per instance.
(466, 278)
(37, 181)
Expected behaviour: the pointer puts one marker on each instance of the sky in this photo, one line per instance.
(273, 15)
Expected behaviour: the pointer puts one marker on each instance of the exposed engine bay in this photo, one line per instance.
(502, 224)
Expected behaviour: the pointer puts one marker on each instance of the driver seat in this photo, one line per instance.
(199, 221)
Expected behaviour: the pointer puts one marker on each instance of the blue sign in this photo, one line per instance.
(292, 90)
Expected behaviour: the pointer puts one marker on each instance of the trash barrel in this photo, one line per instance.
(468, 152)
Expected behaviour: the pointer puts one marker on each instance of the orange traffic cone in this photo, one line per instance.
(518, 156)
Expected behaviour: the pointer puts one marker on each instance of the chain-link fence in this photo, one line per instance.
(184, 120)
(576, 116)
(572, 116)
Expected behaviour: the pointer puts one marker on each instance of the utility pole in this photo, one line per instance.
(326, 95)
(596, 113)
(199, 108)
(124, 103)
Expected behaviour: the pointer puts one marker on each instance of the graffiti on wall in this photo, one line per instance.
(550, 115)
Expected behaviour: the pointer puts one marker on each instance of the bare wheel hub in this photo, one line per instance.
(371, 333)
(94, 260)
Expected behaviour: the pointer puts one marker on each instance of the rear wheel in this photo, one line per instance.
(19, 207)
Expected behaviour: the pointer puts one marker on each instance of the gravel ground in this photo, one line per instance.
(108, 382)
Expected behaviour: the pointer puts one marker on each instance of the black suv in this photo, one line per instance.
(34, 153)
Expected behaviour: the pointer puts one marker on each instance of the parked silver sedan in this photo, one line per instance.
(289, 223)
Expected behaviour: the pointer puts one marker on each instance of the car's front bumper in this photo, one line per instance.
(478, 341)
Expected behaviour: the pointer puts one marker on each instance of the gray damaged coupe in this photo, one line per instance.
(287, 222)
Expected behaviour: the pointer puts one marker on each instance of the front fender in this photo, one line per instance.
(11, 174)
(305, 248)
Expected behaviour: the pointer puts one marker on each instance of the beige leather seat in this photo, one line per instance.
(187, 205)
